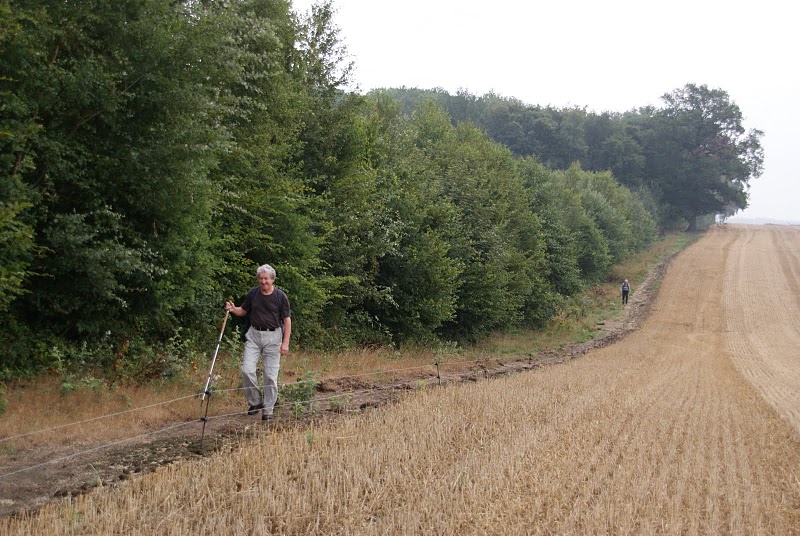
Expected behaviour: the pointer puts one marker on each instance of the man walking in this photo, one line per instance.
(626, 289)
(267, 337)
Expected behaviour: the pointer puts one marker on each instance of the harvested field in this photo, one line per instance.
(687, 426)
(762, 313)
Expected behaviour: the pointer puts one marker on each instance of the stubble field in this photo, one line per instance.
(690, 425)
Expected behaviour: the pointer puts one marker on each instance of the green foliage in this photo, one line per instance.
(16, 126)
(693, 156)
(155, 153)
(16, 248)
(140, 359)
(416, 277)
(117, 162)
(497, 246)
(72, 384)
(699, 155)
(548, 201)
(299, 394)
(25, 352)
(338, 404)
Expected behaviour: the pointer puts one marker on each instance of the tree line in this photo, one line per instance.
(154, 153)
(689, 159)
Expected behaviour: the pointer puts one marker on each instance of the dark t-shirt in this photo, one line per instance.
(265, 311)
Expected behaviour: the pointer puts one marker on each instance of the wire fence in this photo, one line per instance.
(291, 405)
(95, 449)
(100, 417)
(217, 391)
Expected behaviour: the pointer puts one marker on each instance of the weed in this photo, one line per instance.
(327, 362)
(300, 393)
(178, 351)
(232, 344)
(67, 386)
(70, 384)
(657, 283)
(445, 349)
(338, 404)
(126, 399)
(310, 438)
(297, 409)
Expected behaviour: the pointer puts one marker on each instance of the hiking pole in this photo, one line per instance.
(206, 391)
(214, 360)
(204, 418)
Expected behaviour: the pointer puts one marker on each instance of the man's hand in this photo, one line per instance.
(238, 311)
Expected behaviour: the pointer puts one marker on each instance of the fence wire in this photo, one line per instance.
(214, 417)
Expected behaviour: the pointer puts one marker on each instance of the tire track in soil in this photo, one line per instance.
(763, 315)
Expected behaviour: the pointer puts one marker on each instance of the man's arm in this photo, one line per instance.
(287, 333)
(238, 311)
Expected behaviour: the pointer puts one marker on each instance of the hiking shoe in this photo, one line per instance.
(267, 417)
(252, 410)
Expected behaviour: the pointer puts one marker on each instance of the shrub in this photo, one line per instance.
(300, 393)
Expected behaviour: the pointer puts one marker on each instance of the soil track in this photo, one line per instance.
(762, 313)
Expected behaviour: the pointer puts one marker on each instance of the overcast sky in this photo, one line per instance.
(615, 55)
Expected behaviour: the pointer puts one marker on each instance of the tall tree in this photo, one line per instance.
(417, 279)
(500, 245)
(264, 213)
(699, 155)
(118, 114)
(16, 126)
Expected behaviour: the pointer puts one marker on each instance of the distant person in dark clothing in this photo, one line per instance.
(626, 289)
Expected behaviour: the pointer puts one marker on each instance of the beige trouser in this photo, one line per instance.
(267, 345)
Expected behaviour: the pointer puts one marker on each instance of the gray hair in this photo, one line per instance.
(266, 269)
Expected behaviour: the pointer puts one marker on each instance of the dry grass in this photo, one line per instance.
(660, 434)
(45, 408)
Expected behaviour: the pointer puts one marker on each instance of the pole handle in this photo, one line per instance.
(224, 321)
